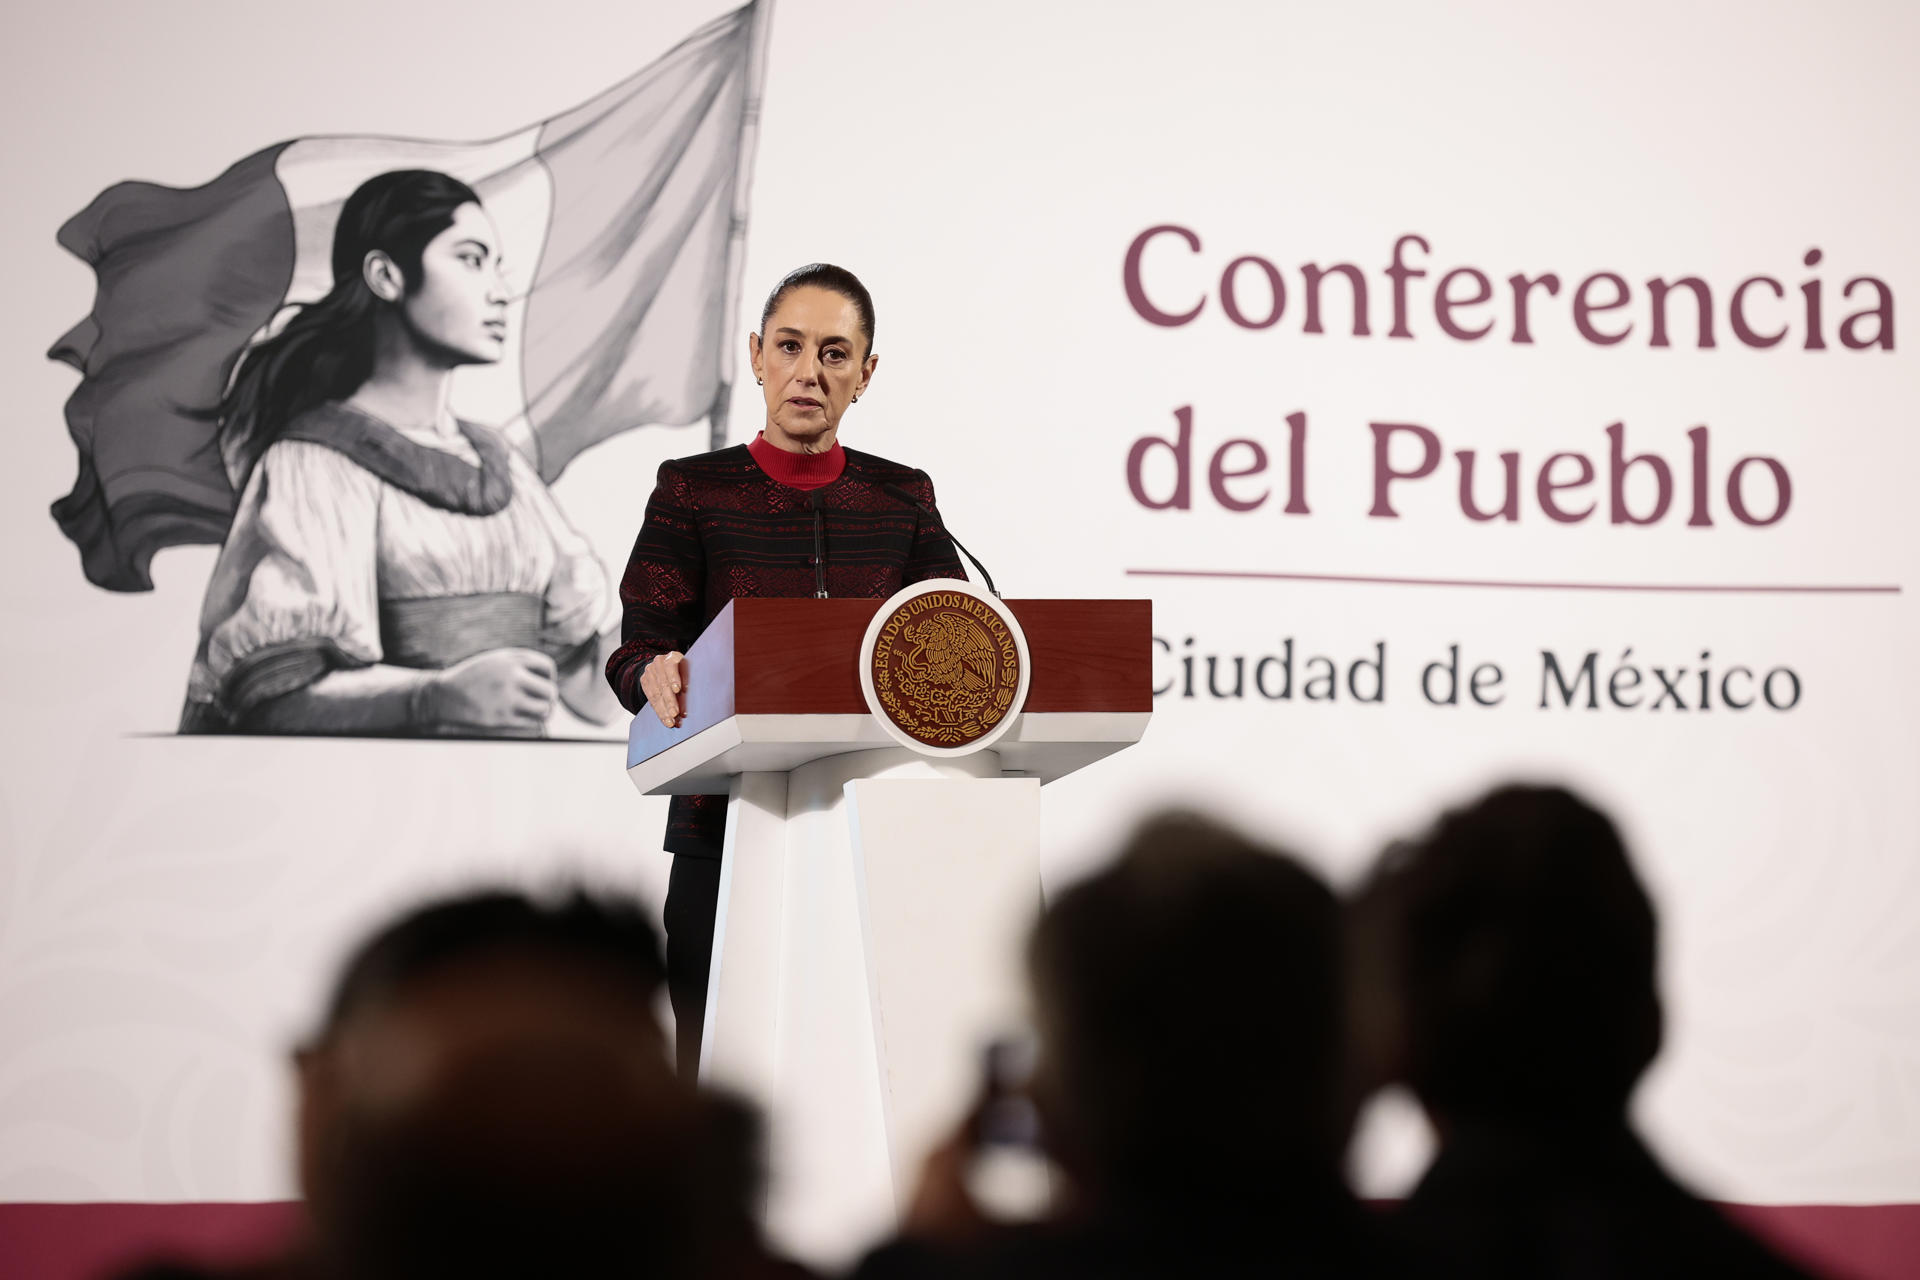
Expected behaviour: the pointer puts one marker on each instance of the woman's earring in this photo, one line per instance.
(759, 382)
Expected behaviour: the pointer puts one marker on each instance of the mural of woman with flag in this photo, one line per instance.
(389, 567)
(314, 361)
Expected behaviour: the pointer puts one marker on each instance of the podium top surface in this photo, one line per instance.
(784, 674)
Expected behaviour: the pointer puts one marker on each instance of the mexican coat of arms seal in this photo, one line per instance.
(944, 667)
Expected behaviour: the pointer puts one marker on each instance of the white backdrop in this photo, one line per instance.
(170, 909)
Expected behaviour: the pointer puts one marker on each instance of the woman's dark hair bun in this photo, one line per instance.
(824, 275)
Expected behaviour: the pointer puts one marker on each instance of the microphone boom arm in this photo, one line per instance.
(895, 491)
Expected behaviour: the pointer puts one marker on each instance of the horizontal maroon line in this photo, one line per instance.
(1681, 588)
(84, 1241)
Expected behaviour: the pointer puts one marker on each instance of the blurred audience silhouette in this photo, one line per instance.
(1504, 969)
(1189, 1085)
(489, 1093)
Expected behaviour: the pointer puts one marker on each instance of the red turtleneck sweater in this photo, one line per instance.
(798, 470)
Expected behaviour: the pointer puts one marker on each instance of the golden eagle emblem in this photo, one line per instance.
(945, 667)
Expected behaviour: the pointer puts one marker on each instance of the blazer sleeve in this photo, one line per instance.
(663, 586)
(932, 554)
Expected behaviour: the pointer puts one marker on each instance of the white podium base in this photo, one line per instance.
(867, 946)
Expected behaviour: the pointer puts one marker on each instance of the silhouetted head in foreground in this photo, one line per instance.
(490, 1096)
(1507, 961)
(1189, 1009)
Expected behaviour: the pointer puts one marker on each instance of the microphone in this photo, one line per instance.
(819, 546)
(896, 492)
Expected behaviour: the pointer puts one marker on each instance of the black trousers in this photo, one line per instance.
(693, 895)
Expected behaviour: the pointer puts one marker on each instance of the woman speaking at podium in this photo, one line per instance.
(791, 514)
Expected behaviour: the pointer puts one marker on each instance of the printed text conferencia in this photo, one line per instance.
(1252, 293)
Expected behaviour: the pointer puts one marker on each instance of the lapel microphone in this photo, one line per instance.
(819, 546)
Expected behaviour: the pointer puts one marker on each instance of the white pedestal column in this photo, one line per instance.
(867, 944)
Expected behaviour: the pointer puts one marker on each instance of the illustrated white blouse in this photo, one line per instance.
(354, 552)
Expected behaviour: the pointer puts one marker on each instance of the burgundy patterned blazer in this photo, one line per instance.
(719, 527)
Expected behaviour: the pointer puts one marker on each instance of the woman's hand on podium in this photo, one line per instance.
(663, 681)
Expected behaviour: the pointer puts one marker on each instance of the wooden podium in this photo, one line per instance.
(873, 898)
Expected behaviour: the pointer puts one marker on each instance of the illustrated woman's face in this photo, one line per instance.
(812, 363)
(459, 310)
